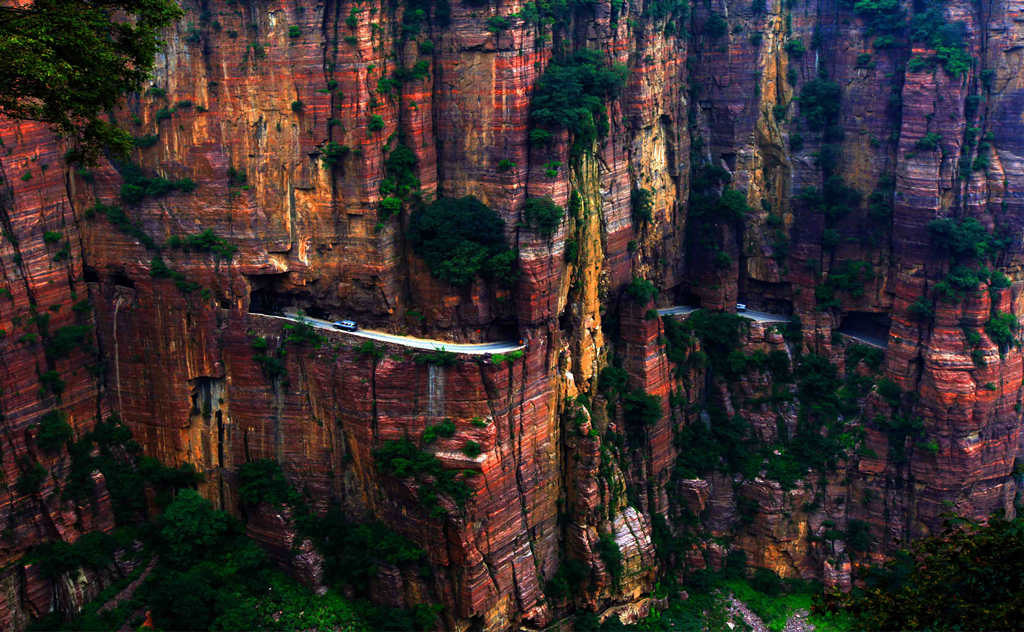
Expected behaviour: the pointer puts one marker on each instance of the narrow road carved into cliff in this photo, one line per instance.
(427, 344)
(752, 314)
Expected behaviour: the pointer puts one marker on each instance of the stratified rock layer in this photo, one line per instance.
(250, 97)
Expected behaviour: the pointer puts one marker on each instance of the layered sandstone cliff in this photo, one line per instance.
(277, 111)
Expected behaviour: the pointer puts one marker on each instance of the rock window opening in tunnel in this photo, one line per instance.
(868, 327)
(687, 298)
(267, 296)
(771, 298)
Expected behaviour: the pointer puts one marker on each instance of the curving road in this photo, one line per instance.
(871, 341)
(752, 314)
(485, 348)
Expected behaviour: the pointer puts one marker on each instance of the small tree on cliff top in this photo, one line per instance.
(571, 95)
(44, 75)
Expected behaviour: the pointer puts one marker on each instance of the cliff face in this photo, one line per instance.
(286, 116)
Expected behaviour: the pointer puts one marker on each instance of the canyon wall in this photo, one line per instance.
(287, 118)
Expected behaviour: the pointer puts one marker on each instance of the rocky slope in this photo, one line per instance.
(287, 117)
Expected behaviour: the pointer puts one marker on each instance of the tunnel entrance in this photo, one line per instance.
(688, 298)
(265, 296)
(867, 327)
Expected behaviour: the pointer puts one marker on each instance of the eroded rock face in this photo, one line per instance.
(266, 90)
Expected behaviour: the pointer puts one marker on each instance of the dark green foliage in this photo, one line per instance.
(332, 154)
(969, 577)
(52, 237)
(446, 428)
(641, 290)
(922, 310)
(119, 219)
(722, 445)
(966, 238)
(947, 38)
(642, 204)
(51, 382)
(294, 31)
(543, 215)
(46, 77)
(53, 431)
(858, 535)
(641, 407)
(66, 339)
(137, 187)
(471, 449)
(109, 448)
(567, 581)
(439, 357)
(354, 552)
(375, 123)
(819, 102)
(849, 277)
(612, 382)
(31, 478)
(93, 550)
(611, 555)
(297, 106)
(571, 250)
(1002, 329)
(928, 142)
(191, 529)
(796, 48)
(158, 269)
(302, 334)
(716, 26)
(146, 141)
(571, 93)
(212, 577)
(678, 340)
(262, 481)
(719, 334)
(460, 239)
(506, 165)
(402, 459)
(401, 174)
(870, 356)
(497, 23)
(206, 241)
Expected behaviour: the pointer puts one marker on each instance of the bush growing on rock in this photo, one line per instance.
(571, 94)
(460, 239)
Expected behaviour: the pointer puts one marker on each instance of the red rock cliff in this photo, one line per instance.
(284, 114)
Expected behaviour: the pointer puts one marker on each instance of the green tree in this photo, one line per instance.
(46, 77)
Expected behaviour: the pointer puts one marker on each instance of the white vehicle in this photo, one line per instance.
(741, 307)
(347, 325)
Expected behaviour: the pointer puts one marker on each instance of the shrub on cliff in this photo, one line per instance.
(262, 481)
(819, 102)
(965, 238)
(969, 577)
(53, 431)
(641, 290)
(1002, 329)
(642, 407)
(460, 239)
(611, 555)
(543, 215)
(46, 76)
(571, 94)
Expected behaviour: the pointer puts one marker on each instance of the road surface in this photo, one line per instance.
(677, 310)
(871, 341)
(486, 348)
(752, 314)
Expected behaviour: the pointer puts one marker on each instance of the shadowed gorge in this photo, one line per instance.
(549, 178)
